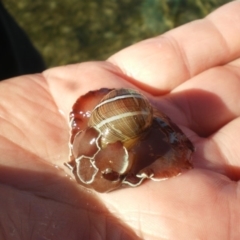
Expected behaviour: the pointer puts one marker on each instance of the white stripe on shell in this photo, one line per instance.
(137, 95)
(123, 115)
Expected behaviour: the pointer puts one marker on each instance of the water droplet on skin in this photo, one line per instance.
(61, 112)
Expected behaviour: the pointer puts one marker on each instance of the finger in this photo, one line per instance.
(221, 151)
(207, 102)
(164, 62)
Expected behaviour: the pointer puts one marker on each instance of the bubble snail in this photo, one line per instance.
(118, 139)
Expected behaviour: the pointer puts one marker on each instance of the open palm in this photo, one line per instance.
(193, 75)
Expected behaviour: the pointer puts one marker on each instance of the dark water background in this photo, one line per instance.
(70, 31)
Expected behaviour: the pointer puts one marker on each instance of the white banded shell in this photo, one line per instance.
(122, 115)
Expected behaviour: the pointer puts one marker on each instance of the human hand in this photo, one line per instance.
(193, 73)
